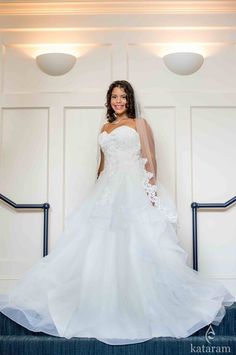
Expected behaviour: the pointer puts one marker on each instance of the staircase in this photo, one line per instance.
(16, 340)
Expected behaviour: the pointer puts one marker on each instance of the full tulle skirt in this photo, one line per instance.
(117, 273)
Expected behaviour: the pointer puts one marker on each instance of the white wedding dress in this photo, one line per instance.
(117, 272)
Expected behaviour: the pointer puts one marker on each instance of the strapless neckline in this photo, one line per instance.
(133, 129)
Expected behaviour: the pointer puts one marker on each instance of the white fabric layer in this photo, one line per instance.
(118, 272)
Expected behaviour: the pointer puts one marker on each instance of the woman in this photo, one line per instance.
(118, 273)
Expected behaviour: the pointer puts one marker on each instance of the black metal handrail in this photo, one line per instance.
(195, 207)
(44, 206)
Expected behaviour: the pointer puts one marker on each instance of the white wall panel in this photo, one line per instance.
(80, 145)
(214, 176)
(23, 179)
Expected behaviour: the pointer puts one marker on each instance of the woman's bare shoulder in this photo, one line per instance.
(132, 123)
(105, 126)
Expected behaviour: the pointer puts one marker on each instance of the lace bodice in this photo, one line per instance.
(122, 150)
(121, 147)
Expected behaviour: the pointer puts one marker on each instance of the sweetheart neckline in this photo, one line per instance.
(133, 129)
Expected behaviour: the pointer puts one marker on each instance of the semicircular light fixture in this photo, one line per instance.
(183, 63)
(55, 63)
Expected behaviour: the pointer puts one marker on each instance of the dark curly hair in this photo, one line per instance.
(130, 99)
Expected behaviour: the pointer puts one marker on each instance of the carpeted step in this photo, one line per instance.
(226, 327)
(47, 345)
(16, 340)
(9, 327)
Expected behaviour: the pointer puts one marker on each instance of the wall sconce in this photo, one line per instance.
(183, 63)
(55, 63)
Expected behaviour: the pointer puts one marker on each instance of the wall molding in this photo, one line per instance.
(17, 7)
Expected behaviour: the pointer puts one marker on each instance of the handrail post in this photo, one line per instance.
(45, 228)
(194, 206)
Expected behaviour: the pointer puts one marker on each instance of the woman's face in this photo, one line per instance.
(119, 100)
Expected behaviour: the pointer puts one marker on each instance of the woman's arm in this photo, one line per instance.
(101, 166)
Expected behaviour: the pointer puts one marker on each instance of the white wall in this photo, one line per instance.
(49, 125)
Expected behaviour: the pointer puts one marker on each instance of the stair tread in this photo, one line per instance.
(49, 337)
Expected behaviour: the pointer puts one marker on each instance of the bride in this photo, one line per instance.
(118, 272)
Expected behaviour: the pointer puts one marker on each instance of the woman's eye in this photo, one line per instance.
(123, 97)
